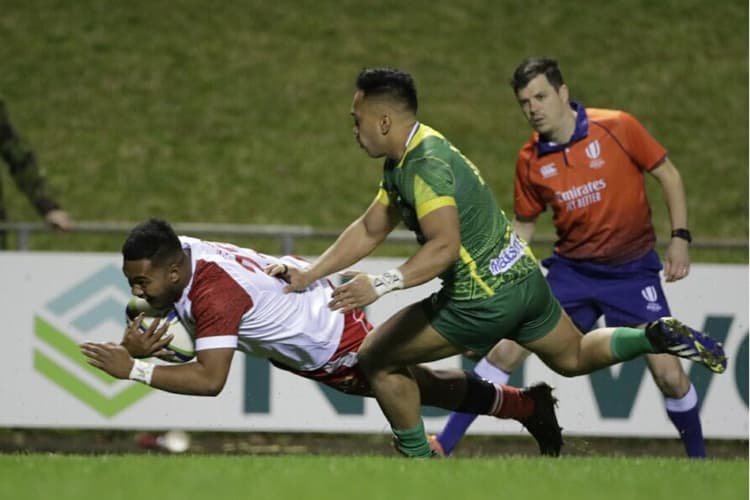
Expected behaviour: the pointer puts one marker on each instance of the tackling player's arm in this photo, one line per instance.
(357, 241)
(441, 229)
(676, 259)
(204, 377)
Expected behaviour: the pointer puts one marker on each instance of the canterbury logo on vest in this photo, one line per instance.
(548, 170)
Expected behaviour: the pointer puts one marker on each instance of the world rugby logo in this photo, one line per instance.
(649, 293)
(593, 150)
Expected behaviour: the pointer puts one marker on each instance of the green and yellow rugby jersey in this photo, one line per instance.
(433, 174)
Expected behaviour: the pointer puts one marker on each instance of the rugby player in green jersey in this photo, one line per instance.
(492, 287)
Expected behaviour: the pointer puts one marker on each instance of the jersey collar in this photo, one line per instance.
(581, 131)
(411, 141)
(411, 134)
(419, 133)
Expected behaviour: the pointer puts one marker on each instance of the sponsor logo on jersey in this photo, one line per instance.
(651, 295)
(508, 255)
(548, 170)
(593, 151)
(583, 195)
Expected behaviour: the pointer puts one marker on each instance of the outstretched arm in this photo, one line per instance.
(441, 249)
(357, 241)
(204, 377)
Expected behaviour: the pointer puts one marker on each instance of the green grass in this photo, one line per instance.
(63, 477)
(238, 112)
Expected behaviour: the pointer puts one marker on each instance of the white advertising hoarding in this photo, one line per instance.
(51, 302)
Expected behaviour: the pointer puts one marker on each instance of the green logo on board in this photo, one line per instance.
(90, 310)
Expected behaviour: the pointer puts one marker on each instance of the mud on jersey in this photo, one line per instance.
(433, 174)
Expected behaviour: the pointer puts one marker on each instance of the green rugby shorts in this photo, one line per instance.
(523, 311)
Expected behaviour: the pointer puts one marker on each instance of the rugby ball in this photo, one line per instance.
(182, 344)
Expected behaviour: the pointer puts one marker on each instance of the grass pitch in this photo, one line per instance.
(217, 477)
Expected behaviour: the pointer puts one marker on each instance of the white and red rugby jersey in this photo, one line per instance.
(231, 303)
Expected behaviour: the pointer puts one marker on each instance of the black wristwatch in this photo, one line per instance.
(682, 233)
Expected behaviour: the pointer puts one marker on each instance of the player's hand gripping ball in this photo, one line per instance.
(182, 344)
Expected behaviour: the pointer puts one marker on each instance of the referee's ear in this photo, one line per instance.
(564, 93)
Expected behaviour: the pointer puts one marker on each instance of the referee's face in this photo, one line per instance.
(544, 106)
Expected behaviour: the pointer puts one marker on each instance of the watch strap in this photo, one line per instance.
(683, 234)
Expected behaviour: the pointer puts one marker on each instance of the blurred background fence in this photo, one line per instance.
(286, 236)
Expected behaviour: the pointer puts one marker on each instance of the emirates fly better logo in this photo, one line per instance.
(90, 310)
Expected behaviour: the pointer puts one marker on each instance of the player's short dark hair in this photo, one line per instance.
(389, 82)
(534, 66)
(154, 240)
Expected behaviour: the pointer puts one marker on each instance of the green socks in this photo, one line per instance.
(413, 442)
(629, 343)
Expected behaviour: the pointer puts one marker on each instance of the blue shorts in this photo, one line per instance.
(625, 294)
